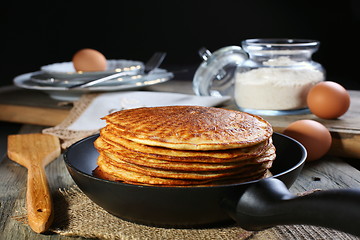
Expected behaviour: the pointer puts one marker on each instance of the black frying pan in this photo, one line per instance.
(253, 205)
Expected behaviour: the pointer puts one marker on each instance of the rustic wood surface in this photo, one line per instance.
(327, 173)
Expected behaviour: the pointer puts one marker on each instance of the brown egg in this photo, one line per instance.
(313, 135)
(328, 100)
(89, 60)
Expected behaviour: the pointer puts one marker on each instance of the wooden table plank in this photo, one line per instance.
(32, 115)
(327, 173)
(345, 131)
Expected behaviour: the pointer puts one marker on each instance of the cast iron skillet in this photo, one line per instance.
(253, 205)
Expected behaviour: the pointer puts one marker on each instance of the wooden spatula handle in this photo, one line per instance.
(38, 199)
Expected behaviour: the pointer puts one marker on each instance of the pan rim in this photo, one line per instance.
(68, 164)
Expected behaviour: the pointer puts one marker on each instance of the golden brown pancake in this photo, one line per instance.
(109, 172)
(116, 141)
(194, 175)
(184, 146)
(133, 157)
(190, 127)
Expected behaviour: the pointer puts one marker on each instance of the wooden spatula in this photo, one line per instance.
(35, 151)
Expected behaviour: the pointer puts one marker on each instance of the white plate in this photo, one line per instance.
(66, 69)
(44, 79)
(65, 94)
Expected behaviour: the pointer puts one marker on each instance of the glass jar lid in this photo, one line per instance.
(216, 72)
(279, 45)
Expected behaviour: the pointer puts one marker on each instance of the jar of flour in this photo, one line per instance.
(264, 76)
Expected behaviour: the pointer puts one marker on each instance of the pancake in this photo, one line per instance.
(126, 155)
(184, 146)
(120, 143)
(190, 127)
(194, 175)
(109, 172)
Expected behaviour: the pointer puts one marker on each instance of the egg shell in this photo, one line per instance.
(89, 60)
(328, 100)
(315, 137)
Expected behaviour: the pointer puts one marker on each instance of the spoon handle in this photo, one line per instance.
(38, 199)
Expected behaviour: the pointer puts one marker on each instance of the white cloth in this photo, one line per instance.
(107, 103)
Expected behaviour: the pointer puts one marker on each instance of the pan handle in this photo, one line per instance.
(269, 203)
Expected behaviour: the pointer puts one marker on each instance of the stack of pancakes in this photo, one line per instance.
(184, 146)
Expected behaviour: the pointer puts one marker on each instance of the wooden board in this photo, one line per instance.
(32, 115)
(30, 107)
(345, 130)
(34, 107)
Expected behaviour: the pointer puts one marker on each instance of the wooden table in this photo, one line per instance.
(327, 173)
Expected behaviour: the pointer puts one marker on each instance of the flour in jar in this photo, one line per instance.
(276, 86)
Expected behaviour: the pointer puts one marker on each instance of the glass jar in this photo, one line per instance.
(265, 76)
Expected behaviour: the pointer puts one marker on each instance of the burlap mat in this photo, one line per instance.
(76, 215)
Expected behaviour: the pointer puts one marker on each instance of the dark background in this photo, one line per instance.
(34, 34)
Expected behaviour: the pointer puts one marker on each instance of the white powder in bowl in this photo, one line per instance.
(275, 88)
